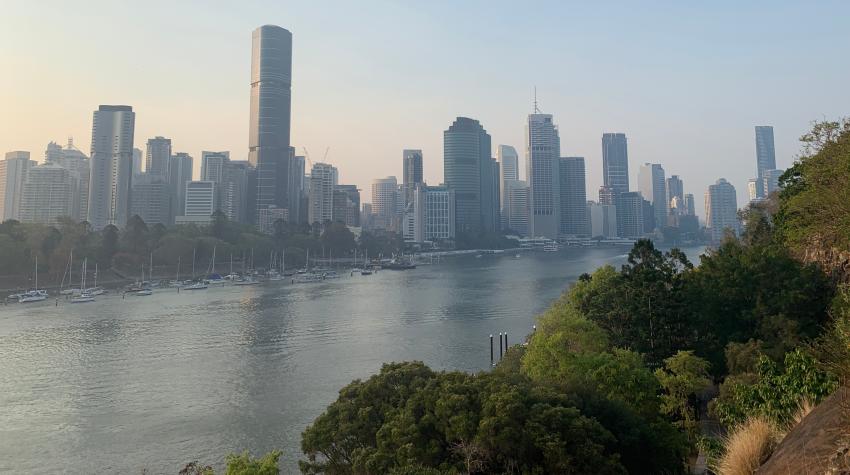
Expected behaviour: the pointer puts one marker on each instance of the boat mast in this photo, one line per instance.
(193, 263)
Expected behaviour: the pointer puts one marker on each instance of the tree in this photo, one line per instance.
(338, 239)
(109, 245)
(682, 377)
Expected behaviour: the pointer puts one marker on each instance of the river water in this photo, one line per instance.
(155, 382)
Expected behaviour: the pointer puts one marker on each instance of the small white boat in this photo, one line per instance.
(331, 274)
(94, 291)
(248, 281)
(196, 286)
(142, 293)
(33, 296)
(82, 298)
(308, 277)
(551, 247)
(516, 256)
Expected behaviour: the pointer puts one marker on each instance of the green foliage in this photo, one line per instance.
(776, 392)
(243, 464)
(682, 378)
(338, 239)
(644, 306)
(409, 419)
(815, 202)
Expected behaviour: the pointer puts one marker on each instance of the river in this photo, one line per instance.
(156, 382)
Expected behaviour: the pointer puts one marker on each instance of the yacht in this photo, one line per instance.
(32, 296)
(35, 295)
(84, 295)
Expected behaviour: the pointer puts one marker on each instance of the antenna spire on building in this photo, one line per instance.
(536, 109)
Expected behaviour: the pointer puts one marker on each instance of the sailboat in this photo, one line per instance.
(195, 285)
(142, 290)
(305, 275)
(367, 268)
(212, 277)
(94, 291)
(69, 269)
(84, 295)
(176, 282)
(35, 295)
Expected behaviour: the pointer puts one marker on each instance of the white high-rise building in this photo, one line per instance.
(508, 160)
(72, 159)
(49, 192)
(516, 206)
(200, 203)
(13, 173)
(384, 202)
(111, 166)
(652, 186)
(543, 152)
(433, 216)
(323, 181)
(721, 209)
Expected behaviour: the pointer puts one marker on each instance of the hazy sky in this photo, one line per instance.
(686, 82)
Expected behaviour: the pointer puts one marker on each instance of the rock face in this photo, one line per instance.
(819, 444)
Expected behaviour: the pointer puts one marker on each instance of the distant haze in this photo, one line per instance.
(686, 83)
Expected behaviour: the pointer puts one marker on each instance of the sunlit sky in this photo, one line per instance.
(685, 81)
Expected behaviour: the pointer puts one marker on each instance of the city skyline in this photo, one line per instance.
(697, 127)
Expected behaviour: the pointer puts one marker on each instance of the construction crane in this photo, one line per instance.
(310, 161)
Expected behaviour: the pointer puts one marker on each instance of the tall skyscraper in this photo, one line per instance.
(384, 199)
(467, 168)
(765, 156)
(433, 217)
(111, 166)
(653, 187)
(543, 152)
(13, 173)
(603, 220)
(323, 181)
(508, 161)
(721, 209)
(269, 127)
(179, 173)
(615, 162)
(689, 205)
(573, 191)
(412, 173)
(157, 155)
(615, 170)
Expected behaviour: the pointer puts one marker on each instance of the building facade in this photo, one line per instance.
(384, 199)
(72, 159)
(508, 160)
(517, 206)
(721, 209)
(200, 203)
(574, 220)
(411, 173)
(467, 166)
(179, 174)
(157, 156)
(323, 181)
(433, 218)
(603, 220)
(13, 173)
(111, 166)
(630, 209)
(543, 152)
(653, 187)
(615, 171)
(151, 199)
(347, 205)
(269, 122)
(49, 192)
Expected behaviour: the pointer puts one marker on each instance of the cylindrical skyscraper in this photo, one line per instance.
(271, 99)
